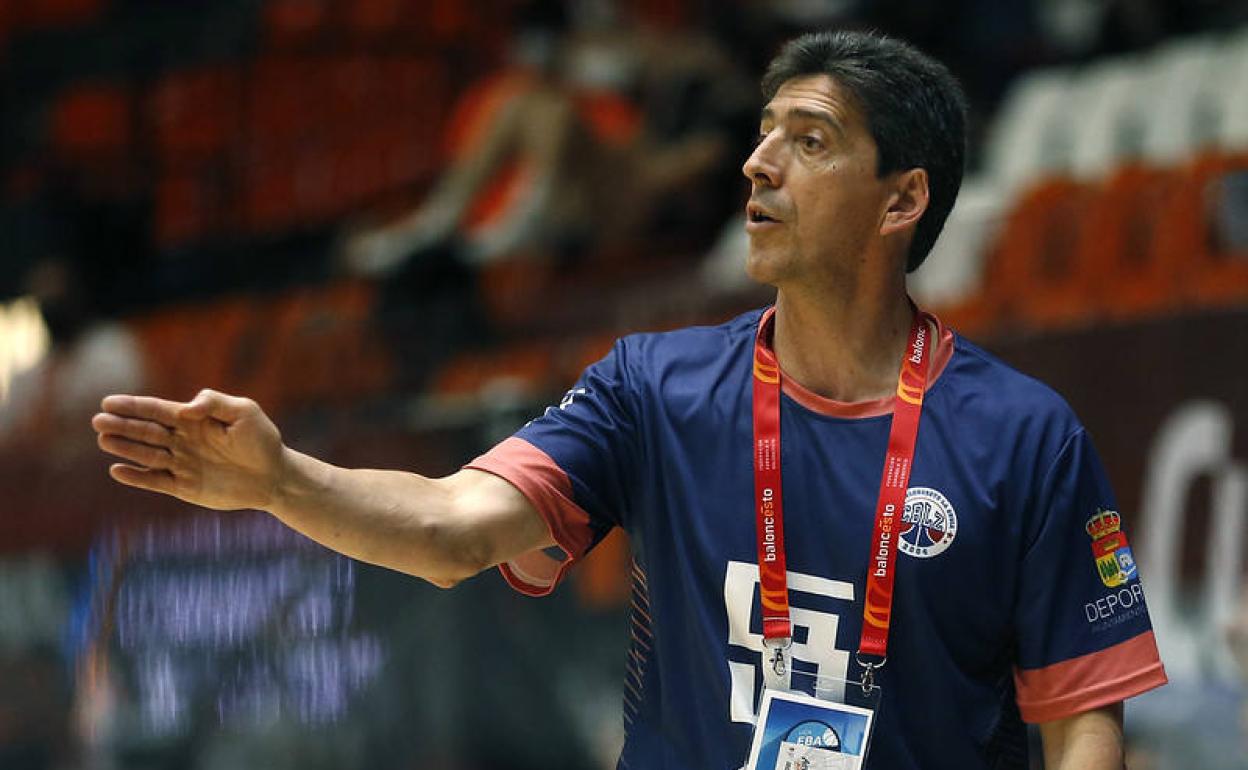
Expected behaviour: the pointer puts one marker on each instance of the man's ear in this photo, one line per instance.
(907, 201)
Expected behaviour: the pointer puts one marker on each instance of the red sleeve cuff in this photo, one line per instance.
(1089, 681)
(546, 485)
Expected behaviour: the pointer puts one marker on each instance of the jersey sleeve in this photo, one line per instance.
(576, 464)
(1084, 635)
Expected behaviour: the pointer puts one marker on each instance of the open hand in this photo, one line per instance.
(217, 451)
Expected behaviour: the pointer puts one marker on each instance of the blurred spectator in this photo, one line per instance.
(555, 129)
(89, 358)
(551, 162)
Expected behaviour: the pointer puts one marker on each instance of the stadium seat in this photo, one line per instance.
(1176, 84)
(1229, 95)
(1214, 273)
(953, 271)
(269, 194)
(295, 22)
(184, 208)
(197, 346)
(320, 349)
(196, 115)
(584, 352)
(373, 18)
(285, 102)
(1094, 122)
(1019, 148)
(360, 172)
(525, 367)
(1031, 278)
(1128, 278)
(92, 121)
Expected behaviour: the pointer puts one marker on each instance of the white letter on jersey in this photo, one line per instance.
(819, 648)
(570, 397)
(568, 400)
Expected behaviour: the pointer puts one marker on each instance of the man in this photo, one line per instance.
(858, 162)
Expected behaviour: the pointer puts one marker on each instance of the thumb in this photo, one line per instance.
(218, 406)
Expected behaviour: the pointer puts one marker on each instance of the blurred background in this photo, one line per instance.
(404, 226)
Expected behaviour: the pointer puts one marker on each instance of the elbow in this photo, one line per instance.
(444, 582)
(457, 555)
(456, 570)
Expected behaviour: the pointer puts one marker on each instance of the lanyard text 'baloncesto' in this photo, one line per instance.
(769, 507)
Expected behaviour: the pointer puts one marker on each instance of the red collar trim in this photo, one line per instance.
(859, 409)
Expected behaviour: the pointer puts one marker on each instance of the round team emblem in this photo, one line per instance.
(928, 524)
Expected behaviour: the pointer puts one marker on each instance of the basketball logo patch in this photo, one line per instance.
(928, 525)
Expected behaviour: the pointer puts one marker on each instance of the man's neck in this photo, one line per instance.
(844, 348)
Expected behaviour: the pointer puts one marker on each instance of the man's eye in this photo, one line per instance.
(810, 143)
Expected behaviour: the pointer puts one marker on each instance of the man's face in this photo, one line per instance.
(815, 201)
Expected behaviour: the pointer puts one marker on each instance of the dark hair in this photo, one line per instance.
(914, 109)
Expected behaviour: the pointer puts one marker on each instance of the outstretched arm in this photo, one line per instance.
(223, 452)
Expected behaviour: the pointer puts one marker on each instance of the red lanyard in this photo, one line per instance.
(769, 510)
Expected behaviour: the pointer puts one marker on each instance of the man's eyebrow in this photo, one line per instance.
(822, 116)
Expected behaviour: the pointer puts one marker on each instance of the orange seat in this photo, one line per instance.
(451, 20)
(269, 199)
(92, 121)
(195, 346)
(527, 366)
(1213, 272)
(319, 347)
(1031, 277)
(293, 22)
(373, 18)
(184, 209)
(587, 351)
(1128, 280)
(285, 102)
(195, 115)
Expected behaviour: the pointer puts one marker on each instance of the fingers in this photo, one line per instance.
(143, 478)
(210, 403)
(136, 451)
(143, 408)
(146, 431)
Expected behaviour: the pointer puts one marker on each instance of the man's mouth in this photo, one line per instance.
(759, 215)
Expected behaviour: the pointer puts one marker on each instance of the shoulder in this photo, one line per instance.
(988, 394)
(690, 351)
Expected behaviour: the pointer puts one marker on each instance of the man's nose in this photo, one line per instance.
(763, 166)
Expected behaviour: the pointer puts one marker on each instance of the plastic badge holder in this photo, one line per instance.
(820, 723)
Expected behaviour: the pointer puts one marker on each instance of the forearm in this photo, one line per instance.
(394, 519)
(1090, 753)
(1088, 741)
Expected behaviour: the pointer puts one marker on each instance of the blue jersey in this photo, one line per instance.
(1016, 597)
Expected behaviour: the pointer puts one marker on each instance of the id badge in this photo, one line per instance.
(797, 731)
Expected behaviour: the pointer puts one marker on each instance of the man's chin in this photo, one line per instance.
(762, 267)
